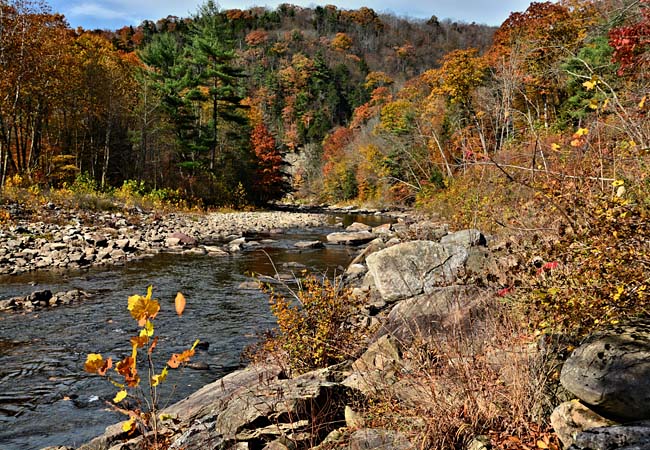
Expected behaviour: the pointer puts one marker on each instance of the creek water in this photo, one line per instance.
(46, 399)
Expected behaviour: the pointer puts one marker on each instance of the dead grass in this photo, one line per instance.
(491, 379)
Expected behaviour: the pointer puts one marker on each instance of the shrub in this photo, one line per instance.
(315, 326)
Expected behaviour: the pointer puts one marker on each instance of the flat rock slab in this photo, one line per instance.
(422, 316)
(351, 238)
(630, 436)
(611, 372)
(309, 244)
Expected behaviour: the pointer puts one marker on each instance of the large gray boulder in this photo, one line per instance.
(465, 238)
(413, 268)
(611, 372)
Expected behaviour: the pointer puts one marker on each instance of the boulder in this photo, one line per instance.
(379, 439)
(351, 238)
(422, 316)
(630, 436)
(377, 368)
(465, 238)
(183, 238)
(611, 372)
(358, 226)
(413, 268)
(300, 409)
(386, 228)
(571, 418)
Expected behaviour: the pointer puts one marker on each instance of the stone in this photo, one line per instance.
(215, 251)
(377, 368)
(309, 244)
(422, 316)
(611, 372)
(379, 439)
(413, 268)
(351, 238)
(629, 436)
(353, 419)
(571, 418)
(122, 244)
(465, 238)
(386, 228)
(356, 269)
(96, 239)
(172, 242)
(183, 238)
(263, 411)
(358, 226)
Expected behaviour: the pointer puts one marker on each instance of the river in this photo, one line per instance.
(46, 399)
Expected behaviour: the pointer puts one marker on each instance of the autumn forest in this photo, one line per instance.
(242, 107)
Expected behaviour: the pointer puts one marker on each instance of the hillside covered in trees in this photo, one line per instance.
(206, 104)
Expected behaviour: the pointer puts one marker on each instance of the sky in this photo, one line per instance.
(114, 14)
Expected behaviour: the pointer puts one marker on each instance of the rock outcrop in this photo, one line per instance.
(610, 374)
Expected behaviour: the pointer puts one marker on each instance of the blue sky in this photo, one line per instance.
(113, 14)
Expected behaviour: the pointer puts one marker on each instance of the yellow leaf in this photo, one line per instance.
(576, 143)
(642, 102)
(581, 132)
(143, 308)
(119, 396)
(129, 425)
(590, 84)
(147, 330)
(618, 183)
(593, 104)
(180, 303)
(542, 444)
(96, 364)
(164, 417)
(556, 147)
(157, 379)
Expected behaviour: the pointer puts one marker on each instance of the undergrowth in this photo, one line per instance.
(315, 326)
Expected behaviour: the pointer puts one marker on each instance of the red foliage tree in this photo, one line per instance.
(270, 181)
(631, 43)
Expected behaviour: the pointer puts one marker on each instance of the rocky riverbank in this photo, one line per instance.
(66, 240)
(414, 288)
(427, 290)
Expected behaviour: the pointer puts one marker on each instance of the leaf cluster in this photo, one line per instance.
(143, 415)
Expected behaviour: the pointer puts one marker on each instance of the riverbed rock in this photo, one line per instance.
(422, 316)
(353, 238)
(309, 244)
(413, 268)
(465, 238)
(300, 409)
(358, 226)
(572, 418)
(611, 372)
(629, 436)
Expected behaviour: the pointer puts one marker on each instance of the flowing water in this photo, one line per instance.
(45, 397)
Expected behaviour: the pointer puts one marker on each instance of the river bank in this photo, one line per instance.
(67, 240)
(48, 399)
